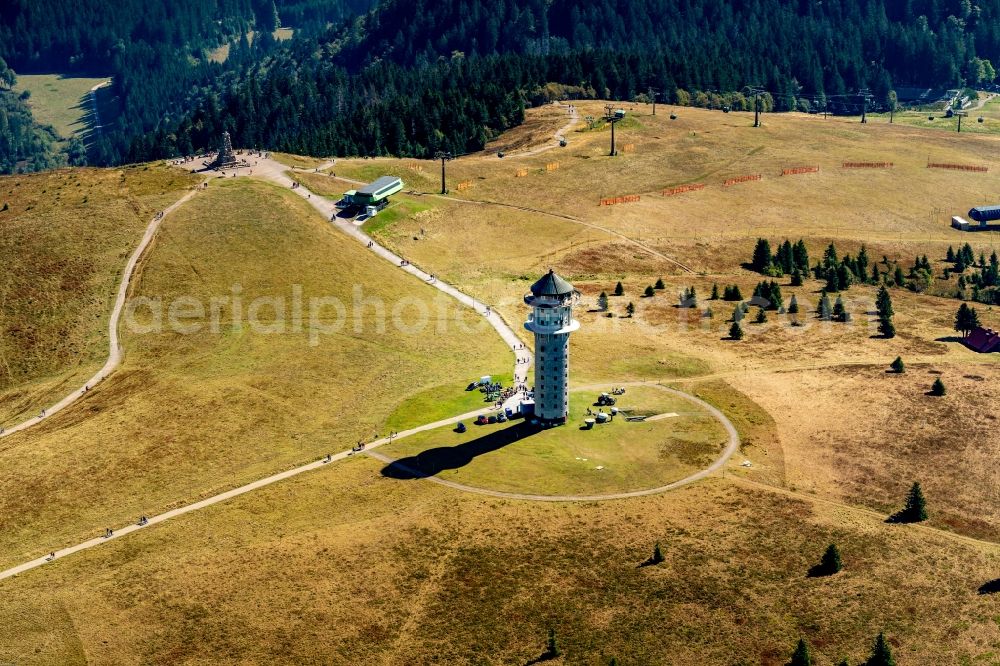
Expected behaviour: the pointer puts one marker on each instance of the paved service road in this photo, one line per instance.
(276, 173)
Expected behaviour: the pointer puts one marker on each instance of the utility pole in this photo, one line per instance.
(864, 94)
(755, 91)
(653, 92)
(612, 116)
(444, 156)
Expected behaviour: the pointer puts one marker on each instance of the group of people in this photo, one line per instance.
(504, 393)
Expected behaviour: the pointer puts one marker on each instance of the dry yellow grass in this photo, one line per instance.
(192, 415)
(343, 567)
(619, 456)
(64, 241)
(900, 213)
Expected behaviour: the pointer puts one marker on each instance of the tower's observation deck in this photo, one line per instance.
(551, 321)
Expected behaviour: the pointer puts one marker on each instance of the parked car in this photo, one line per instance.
(481, 420)
(460, 428)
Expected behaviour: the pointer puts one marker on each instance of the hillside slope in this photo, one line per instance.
(64, 239)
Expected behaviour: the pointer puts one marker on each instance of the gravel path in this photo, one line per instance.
(732, 447)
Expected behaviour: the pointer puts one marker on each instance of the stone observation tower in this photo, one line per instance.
(552, 321)
(226, 157)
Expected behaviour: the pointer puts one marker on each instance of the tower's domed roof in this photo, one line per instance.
(551, 284)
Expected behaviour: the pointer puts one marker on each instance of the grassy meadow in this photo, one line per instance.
(619, 456)
(351, 564)
(712, 232)
(60, 101)
(343, 566)
(64, 239)
(192, 413)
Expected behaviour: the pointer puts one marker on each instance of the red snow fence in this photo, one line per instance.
(742, 179)
(794, 171)
(680, 189)
(957, 167)
(868, 165)
(612, 201)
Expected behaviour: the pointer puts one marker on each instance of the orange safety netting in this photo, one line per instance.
(957, 167)
(742, 179)
(797, 170)
(611, 201)
(868, 165)
(670, 191)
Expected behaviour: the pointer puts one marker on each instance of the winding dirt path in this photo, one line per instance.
(732, 446)
(276, 173)
(229, 494)
(558, 137)
(114, 344)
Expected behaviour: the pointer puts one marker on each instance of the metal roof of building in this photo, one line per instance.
(985, 213)
(379, 184)
(983, 339)
(552, 285)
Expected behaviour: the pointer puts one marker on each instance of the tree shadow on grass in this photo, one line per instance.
(432, 461)
(904, 517)
(819, 571)
(992, 587)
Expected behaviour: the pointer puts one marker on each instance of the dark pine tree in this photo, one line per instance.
(801, 656)
(761, 255)
(881, 653)
(915, 509)
(831, 562)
